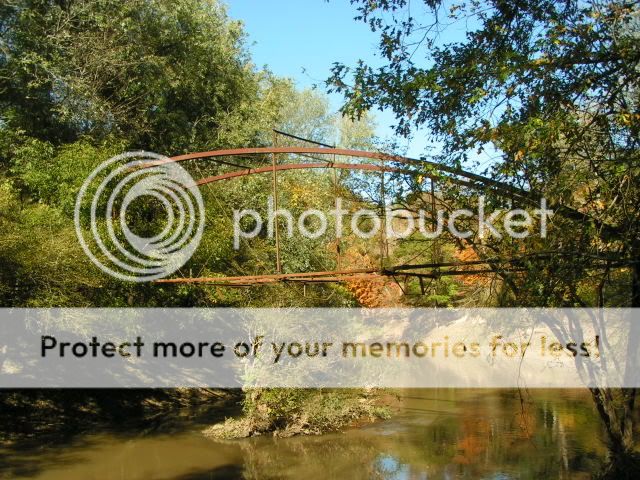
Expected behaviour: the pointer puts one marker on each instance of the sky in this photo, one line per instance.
(301, 39)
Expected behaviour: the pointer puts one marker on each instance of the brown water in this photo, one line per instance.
(433, 434)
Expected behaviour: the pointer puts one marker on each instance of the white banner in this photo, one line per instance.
(230, 348)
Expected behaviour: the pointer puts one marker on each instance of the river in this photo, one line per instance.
(493, 434)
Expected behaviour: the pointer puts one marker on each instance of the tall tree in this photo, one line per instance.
(167, 75)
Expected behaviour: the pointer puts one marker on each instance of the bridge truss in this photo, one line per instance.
(323, 156)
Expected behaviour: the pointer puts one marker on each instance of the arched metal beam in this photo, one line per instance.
(304, 166)
(528, 196)
(504, 187)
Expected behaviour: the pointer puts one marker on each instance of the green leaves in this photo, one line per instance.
(551, 87)
(163, 75)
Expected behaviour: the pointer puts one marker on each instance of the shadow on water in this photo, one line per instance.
(227, 472)
(32, 443)
(433, 434)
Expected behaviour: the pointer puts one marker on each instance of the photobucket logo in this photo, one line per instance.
(107, 196)
(397, 223)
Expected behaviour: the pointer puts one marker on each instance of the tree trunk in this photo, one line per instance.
(615, 406)
(635, 275)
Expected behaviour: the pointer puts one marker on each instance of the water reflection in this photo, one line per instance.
(494, 434)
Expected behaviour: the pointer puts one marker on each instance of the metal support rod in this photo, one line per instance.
(335, 194)
(435, 254)
(297, 166)
(383, 219)
(290, 135)
(275, 205)
(284, 276)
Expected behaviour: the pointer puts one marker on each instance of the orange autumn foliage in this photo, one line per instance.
(370, 293)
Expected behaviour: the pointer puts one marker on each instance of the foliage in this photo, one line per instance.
(83, 81)
(550, 90)
(168, 76)
(286, 412)
(547, 93)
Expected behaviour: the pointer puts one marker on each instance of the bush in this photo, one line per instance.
(285, 412)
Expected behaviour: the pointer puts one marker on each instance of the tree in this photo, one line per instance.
(548, 93)
(82, 81)
(169, 76)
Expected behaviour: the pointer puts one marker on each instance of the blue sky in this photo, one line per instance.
(302, 39)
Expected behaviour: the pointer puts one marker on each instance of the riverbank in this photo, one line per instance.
(29, 417)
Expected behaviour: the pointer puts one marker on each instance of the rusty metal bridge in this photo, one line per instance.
(323, 156)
